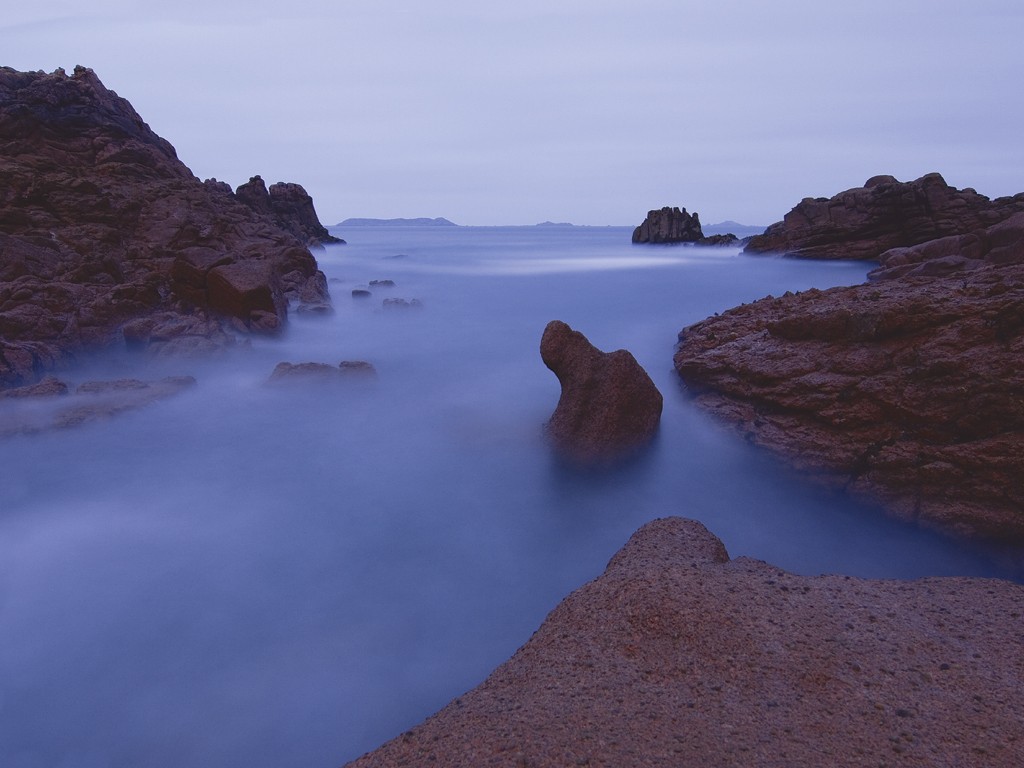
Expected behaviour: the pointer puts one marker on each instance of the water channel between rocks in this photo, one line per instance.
(286, 576)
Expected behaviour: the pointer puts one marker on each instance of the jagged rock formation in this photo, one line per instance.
(290, 206)
(609, 407)
(678, 655)
(904, 390)
(669, 225)
(103, 228)
(864, 222)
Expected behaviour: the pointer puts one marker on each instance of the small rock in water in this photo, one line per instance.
(321, 372)
(382, 283)
(360, 293)
(402, 304)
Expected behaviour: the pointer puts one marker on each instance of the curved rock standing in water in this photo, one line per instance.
(678, 655)
(609, 407)
(102, 228)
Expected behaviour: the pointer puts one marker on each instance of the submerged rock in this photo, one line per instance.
(678, 655)
(91, 401)
(400, 304)
(322, 372)
(609, 407)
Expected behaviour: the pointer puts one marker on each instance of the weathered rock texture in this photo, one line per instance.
(1002, 243)
(908, 391)
(678, 656)
(609, 407)
(291, 208)
(101, 225)
(669, 225)
(864, 222)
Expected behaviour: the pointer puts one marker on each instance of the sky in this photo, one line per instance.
(557, 110)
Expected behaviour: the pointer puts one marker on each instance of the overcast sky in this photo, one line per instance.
(565, 110)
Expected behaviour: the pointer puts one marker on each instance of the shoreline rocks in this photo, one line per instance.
(609, 408)
(679, 655)
(904, 390)
(103, 228)
(865, 222)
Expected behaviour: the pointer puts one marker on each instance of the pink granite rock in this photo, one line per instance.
(609, 407)
(679, 656)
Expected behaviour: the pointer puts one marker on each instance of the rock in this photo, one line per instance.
(92, 401)
(678, 655)
(102, 226)
(361, 293)
(382, 283)
(357, 369)
(726, 240)
(865, 222)
(669, 225)
(322, 372)
(1001, 243)
(904, 391)
(49, 386)
(609, 407)
(402, 304)
(291, 208)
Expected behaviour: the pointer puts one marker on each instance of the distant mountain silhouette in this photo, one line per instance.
(732, 227)
(423, 222)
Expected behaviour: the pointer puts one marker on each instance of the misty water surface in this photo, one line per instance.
(288, 576)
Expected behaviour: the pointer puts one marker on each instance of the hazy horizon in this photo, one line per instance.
(590, 113)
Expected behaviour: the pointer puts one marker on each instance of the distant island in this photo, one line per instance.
(424, 222)
(732, 227)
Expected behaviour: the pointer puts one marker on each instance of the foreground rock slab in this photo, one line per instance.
(609, 407)
(679, 656)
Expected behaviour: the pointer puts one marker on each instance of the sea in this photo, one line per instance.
(258, 575)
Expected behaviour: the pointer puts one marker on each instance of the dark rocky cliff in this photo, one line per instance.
(107, 237)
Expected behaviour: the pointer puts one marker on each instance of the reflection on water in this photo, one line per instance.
(283, 576)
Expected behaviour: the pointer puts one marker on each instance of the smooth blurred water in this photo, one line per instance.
(289, 576)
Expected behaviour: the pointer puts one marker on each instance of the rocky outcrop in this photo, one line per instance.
(906, 391)
(1002, 243)
(864, 222)
(609, 407)
(101, 226)
(291, 208)
(669, 225)
(678, 655)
